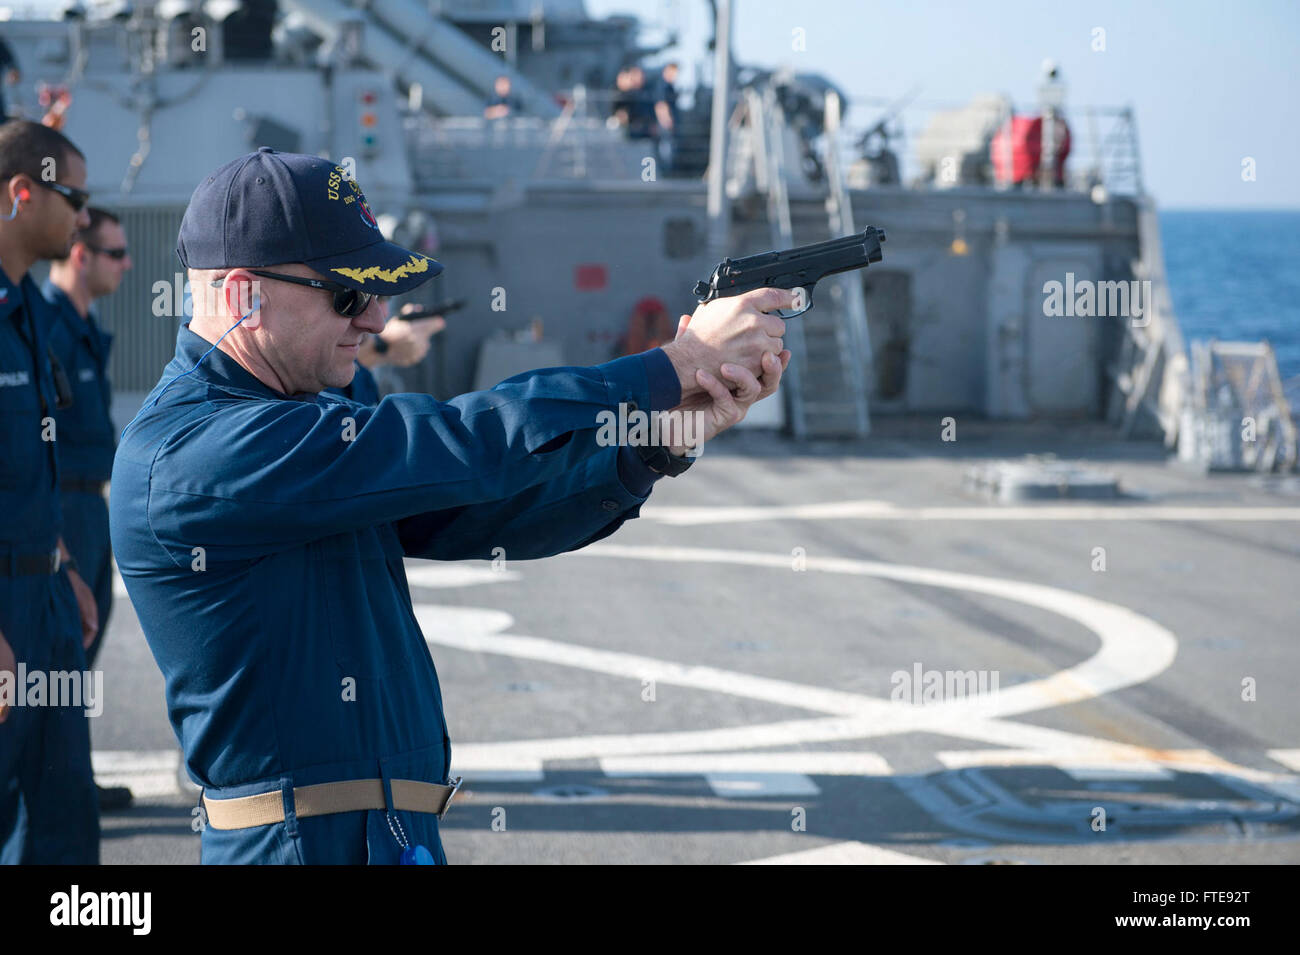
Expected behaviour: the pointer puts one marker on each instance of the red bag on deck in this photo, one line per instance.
(1017, 149)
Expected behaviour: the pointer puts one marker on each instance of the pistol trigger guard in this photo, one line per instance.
(808, 302)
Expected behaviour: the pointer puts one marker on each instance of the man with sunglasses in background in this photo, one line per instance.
(48, 806)
(261, 525)
(92, 270)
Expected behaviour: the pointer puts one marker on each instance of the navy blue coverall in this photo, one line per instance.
(262, 537)
(86, 443)
(49, 811)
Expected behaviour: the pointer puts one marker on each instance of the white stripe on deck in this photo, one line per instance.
(144, 772)
(759, 785)
(1149, 772)
(424, 573)
(1090, 758)
(1290, 758)
(885, 511)
(1076, 764)
(514, 769)
(751, 775)
(844, 853)
(816, 764)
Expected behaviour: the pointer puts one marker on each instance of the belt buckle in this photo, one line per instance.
(455, 788)
(56, 561)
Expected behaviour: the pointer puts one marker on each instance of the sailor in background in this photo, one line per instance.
(502, 103)
(401, 344)
(48, 807)
(93, 269)
(87, 438)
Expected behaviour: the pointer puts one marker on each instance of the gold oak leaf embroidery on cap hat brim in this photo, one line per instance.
(415, 265)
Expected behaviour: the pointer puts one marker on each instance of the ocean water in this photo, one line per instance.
(1236, 276)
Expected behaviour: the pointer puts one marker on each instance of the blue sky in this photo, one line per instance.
(1211, 83)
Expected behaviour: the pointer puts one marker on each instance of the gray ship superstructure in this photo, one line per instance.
(554, 218)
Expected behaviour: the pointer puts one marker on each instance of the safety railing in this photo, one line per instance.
(607, 134)
(940, 145)
(591, 141)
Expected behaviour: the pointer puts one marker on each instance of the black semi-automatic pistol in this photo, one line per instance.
(425, 311)
(801, 268)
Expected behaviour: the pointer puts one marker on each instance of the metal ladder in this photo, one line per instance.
(830, 348)
(1149, 378)
(1235, 386)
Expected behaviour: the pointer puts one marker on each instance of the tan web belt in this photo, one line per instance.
(350, 795)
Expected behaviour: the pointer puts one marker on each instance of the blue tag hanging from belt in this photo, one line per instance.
(411, 855)
(417, 855)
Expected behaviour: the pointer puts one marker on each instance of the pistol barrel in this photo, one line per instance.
(801, 267)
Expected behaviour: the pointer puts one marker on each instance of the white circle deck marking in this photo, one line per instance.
(1133, 649)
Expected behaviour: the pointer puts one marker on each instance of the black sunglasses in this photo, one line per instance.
(77, 198)
(118, 254)
(348, 302)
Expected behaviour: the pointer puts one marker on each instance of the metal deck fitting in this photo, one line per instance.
(1039, 478)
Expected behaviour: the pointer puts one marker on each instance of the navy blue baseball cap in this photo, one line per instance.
(272, 208)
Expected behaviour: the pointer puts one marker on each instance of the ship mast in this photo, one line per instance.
(719, 210)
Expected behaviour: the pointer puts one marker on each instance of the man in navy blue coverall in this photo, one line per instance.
(48, 810)
(92, 270)
(260, 526)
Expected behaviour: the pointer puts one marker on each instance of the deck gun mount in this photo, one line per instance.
(799, 268)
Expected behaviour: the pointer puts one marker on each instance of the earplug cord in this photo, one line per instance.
(22, 196)
(190, 372)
